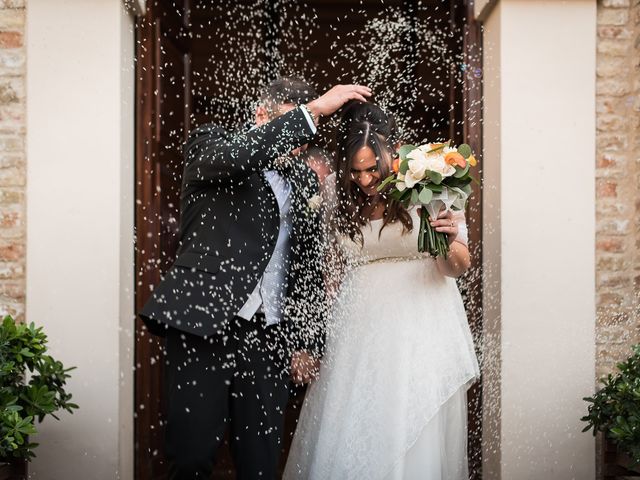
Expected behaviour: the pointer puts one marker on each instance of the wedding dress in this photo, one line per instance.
(390, 400)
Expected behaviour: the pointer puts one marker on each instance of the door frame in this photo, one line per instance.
(146, 438)
(472, 108)
(149, 349)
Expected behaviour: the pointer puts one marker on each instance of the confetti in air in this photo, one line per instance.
(210, 228)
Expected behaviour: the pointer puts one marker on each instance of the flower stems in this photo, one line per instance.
(435, 243)
(423, 233)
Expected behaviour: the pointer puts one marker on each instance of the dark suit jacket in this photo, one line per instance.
(228, 231)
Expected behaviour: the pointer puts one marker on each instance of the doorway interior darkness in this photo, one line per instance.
(199, 61)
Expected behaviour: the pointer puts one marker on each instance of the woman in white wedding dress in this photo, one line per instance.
(390, 399)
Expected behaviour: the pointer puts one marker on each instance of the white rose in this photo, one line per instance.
(417, 167)
(435, 163)
(421, 161)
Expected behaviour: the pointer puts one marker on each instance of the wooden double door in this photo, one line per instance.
(199, 61)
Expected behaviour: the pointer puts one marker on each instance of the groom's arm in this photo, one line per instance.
(309, 332)
(211, 155)
(312, 301)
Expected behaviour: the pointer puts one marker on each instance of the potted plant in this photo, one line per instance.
(32, 386)
(614, 410)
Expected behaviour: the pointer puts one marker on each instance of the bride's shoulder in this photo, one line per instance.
(328, 188)
(329, 181)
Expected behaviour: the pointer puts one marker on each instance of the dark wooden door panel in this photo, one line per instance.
(163, 62)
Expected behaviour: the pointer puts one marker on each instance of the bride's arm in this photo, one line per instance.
(458, 260)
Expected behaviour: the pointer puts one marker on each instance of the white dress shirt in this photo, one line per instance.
(269, 293)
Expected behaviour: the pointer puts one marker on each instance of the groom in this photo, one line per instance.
(242, 305)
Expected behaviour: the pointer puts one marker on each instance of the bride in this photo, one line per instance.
(390, 400)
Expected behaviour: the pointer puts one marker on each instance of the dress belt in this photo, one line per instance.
(361, 263)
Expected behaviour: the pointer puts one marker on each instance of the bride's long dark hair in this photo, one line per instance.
(365, 124)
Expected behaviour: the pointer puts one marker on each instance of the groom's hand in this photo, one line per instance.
(336, 97)
(304, 367)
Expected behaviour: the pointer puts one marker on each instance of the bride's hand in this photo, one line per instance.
(458, 260)
(445, 224)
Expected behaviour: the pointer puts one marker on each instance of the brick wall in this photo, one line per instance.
(618, 181)
(617, 185)
(12, 158)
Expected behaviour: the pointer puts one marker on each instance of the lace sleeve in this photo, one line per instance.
(463, 231)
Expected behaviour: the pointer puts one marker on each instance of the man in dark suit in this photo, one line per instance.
(242, 307)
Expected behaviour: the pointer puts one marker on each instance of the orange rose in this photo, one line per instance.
(395, 166)
(454, 158)
(472, 160)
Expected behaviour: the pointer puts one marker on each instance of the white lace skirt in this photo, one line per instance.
(390, 402)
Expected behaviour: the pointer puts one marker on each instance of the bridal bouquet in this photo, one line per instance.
(436, 177)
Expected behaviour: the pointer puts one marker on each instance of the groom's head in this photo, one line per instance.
(282, 95)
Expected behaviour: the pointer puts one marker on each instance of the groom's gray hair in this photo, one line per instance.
(287, 90)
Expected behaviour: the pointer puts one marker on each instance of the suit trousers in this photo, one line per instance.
(236, 379)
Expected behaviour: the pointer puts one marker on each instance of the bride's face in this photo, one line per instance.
(364, 171)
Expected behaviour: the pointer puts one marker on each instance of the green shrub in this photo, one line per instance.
(615, 408)
(31, 386)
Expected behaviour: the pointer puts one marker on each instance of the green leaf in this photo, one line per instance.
(385, 182)
(396, 195)
(27, 398)
(435, 177)
(465, 150)
(404, 166)
(405, 150)
(461, 172)
(26, 353)
(457, 182)
(414, 196)
(425, 196)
